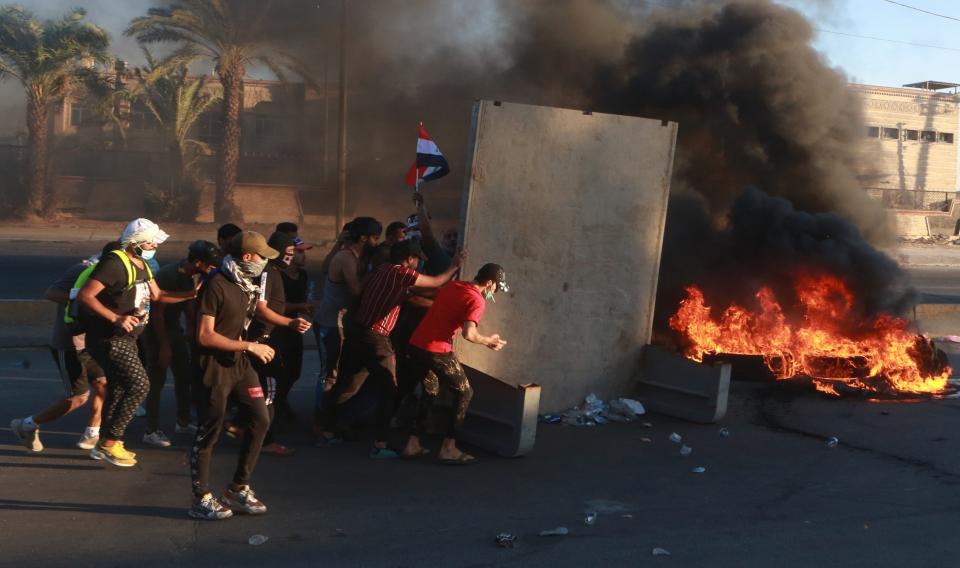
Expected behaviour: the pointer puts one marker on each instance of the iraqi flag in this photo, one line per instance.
(430, 163)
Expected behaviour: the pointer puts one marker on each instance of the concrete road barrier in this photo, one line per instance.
(676, 386)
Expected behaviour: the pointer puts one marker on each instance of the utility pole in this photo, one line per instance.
(342, 158)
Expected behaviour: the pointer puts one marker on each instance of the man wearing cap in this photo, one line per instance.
(116, 309)
(457, 308)
(368, 351)
(225, 308)
(165, 341)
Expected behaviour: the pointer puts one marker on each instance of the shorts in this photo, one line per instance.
(78, 369)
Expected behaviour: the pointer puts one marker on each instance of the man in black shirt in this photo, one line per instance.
(225, 309)
(116, 308)
(165, 342)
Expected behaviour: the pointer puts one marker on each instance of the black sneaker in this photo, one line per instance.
(209, 508)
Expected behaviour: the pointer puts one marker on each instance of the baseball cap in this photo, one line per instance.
(142, 231)
(204, 251)
(252, 242)
(495, 272)
(403, 250)
(301, 244)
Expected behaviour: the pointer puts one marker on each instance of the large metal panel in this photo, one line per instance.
(573, 205)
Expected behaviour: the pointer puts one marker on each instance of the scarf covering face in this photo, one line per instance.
(242, 274)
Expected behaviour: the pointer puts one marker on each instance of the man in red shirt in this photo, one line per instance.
(367, 349)
(457, 308)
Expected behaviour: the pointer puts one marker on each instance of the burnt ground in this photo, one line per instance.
(773, 494)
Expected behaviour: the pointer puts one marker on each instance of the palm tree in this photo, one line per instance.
(176, 102)
(49, 59)
(231, 35)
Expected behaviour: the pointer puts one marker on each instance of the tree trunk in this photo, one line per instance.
(39, 201)
(225, 210)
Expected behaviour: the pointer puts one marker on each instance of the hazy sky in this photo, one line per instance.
(863, 60)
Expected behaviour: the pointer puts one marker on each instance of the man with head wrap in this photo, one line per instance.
(116, 309)
(226, 306)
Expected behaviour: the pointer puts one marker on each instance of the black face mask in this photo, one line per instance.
(285, 260)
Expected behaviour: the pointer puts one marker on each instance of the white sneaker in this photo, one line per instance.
(29, 438)
(188, 429)
(156, 438)
(87, 442)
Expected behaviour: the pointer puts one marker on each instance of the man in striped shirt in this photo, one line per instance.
(368, 351)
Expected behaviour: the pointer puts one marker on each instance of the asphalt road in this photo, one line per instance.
(773, 493)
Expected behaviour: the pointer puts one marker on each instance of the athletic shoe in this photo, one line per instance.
(209, 508)
(188, 429)
(244, 501)
(156, 438)
(29, 438)
(88, 442)
(115, 454)
(383, 454)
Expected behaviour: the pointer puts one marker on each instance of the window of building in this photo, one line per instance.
(873, 132)
(891, 133)
(928, 136)
(946, 137)
(208, 128)
(80, 116)
(911, 135)
(267, 126)
(142, 120)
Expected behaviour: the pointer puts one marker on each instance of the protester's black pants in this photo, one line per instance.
(182, 380)
(432, 370)
(289, 343)
(219, 382)
(268, 375)
(127, 381)
(366, 354)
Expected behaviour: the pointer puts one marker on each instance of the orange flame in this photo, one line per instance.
(881, 355)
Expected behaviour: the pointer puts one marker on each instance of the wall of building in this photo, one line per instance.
(911, 138)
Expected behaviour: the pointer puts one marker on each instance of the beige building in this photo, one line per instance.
(911, 134)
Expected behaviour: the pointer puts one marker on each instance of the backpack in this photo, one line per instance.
(71, 313)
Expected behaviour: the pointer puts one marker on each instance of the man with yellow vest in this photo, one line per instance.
(115, 310)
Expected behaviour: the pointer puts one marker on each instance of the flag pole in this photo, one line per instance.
(416, 185)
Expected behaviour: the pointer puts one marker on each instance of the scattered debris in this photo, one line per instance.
(627, 516)
(724, 433)
(661, 552)
(22, 364)
(559, 531)
(595, 411)
(506, 540)
(676, 438)
(833, 442)
(339, 533)
(685, 450)
(646, 424)
(646, 440)
(699, 469)
(550, 418)
(258, 539)
(590, 518)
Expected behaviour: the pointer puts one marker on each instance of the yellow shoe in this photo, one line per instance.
(132, 454)
(115, 454)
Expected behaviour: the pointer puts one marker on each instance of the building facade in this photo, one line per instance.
(910, 136)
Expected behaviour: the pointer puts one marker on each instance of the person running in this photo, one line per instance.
(368, 351)
(165, 341)
(457, 308)
(116, 309)
(225, 309)
(341, 288)
(79, 371)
